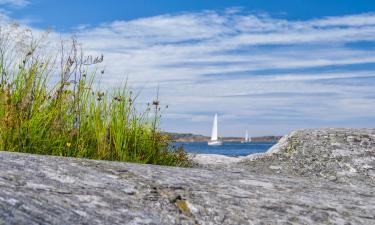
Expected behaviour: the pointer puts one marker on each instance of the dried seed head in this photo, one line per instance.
(100, 94)
(74, 132)
(118, 98)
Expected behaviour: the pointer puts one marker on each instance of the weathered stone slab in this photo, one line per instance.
(341, 155)
(54, 190)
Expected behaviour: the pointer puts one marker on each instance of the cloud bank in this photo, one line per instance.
(267, 74)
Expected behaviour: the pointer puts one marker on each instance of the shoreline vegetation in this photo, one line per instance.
(50, 104)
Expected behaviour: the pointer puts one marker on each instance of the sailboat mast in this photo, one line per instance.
(214, 129)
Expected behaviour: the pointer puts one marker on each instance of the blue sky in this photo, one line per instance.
(268, 66)
(54, 12)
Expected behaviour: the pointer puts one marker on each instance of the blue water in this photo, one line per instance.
(228, 148)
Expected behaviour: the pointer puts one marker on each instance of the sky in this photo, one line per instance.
(268, 66)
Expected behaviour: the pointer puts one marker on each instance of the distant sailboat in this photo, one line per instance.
(247, 139)
(214, 140)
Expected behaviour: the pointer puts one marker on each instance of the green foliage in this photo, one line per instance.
(69, 116)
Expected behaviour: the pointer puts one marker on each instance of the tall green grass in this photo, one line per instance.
(69, 116)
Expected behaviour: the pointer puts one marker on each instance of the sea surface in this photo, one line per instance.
(228, 148)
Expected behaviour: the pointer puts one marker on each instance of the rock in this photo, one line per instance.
(213, 159)
(300, 182)
(322, 153)
(272, 167)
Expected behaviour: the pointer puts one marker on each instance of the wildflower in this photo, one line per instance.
(68, 144)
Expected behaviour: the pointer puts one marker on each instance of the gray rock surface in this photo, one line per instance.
(54, 190)
(341, 155)
(214, 159)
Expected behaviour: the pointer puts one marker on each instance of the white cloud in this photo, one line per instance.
(15, 3)
(252, 69)
(177, 51)
(351, 20)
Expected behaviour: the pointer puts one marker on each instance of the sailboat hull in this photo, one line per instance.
(215, 143)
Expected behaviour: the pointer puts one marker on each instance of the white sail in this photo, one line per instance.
(214, 130)
(247, 138)
(214, 139)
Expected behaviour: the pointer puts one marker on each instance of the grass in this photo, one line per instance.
(69, 116)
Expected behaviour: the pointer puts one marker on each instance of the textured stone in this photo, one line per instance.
(55, 190)
(345, 155)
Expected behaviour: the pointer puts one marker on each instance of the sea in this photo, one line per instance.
(228, 148)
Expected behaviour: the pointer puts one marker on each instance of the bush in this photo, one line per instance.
(68, 116)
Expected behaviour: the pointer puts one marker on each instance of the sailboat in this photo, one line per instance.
(247, 139)
(214, 140)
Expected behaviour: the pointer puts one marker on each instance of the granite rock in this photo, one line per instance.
(267, 189)
(341, 155)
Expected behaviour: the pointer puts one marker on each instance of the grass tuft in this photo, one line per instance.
(69, 116)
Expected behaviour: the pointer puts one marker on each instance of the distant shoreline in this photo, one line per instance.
(189, 137)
